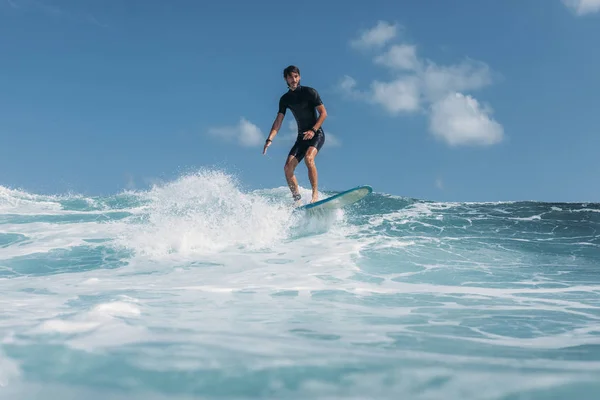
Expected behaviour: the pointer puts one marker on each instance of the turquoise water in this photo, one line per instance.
(199, 289)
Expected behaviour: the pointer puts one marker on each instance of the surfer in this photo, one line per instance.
(304, 102)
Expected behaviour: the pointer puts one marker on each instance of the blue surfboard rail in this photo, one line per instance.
(341, 199)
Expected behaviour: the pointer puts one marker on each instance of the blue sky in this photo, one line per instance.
(449, 101)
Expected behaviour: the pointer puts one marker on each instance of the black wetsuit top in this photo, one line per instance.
(303, 102)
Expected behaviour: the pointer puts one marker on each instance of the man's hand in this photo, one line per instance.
(308, 135)
(267, 144)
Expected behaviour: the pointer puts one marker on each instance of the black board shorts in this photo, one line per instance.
(301, 146)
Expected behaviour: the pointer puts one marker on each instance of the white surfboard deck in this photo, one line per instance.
(339, 200)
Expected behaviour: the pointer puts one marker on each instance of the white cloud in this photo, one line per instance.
(397, 96)
(583, 7)
(245, 133)
(438, 81)
(423, 85)
(401, 56)
(376, 37)
(459, 119)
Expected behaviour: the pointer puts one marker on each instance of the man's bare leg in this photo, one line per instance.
(309, 159)
(289, 168)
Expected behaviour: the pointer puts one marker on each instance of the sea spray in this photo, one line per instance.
(200, 288)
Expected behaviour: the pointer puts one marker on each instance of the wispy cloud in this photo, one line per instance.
(583, 7)
(332, 140)
(245, 133)
(399, 57)
(439, 80)
(421, 85)
(54, 11)
(439, 184)
(375, 37)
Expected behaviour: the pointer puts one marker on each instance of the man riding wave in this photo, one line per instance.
(304, 102)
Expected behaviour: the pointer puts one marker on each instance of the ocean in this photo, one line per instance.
(201, 289)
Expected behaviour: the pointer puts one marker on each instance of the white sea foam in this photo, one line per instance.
(200, 281)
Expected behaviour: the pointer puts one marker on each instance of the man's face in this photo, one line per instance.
(293, 80)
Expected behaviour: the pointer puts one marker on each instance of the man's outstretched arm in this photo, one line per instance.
(274, 129)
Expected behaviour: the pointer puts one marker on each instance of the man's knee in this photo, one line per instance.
(289, 166)
(309, 159)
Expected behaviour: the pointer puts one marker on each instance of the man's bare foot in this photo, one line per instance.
(315, 198)
(297, 200)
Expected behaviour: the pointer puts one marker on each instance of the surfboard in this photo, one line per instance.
(338, 200)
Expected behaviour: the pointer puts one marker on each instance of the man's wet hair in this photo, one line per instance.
(289, 70)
